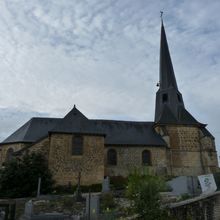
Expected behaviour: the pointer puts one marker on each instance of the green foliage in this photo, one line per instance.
(107, 201)
(118, 182)
(185, 196)
(68, 202)
(19, 178)
(68, 189)
(144, 191)
(91, 188)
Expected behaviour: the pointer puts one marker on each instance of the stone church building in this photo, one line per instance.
(175, 143)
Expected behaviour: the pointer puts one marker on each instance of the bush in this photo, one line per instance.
(91, 188)
(19, 178)
(107, 201)
(69, 189)
(144, 192)
(118, 182)
(184, 196)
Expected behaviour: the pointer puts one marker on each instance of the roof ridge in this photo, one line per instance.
(44, 118)
(29, 126)
(121, 121)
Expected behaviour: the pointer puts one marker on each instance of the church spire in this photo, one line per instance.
(167, 77)
(169, 102)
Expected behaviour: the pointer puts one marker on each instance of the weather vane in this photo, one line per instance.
(161, 15)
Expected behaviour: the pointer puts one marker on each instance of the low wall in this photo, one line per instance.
(205, 207)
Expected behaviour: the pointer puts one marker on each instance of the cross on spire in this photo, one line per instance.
(161, 15)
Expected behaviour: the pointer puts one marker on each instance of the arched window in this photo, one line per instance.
(77, 145)
(146, 158)
(112, 157)
(9, 155)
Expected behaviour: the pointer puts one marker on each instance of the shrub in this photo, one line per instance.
(118, 182)
(144, 192)
(107, 201)
(68, 189)
(91, 188)
(185, 196)
(19, 178)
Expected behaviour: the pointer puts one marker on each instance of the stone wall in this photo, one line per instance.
(130, 157)
(66, 167)
(41, 146)
(190, 152)
(201, 207)
(4, 148)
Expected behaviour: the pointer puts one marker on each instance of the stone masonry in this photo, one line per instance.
(130, 157)
(66, 167)
(4, 149)
(190, 152)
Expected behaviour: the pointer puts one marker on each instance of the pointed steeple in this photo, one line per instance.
(167, 77)
(169, 102)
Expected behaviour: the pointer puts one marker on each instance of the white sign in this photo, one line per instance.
(207, 183)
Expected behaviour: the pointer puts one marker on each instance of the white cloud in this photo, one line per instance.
(103, 56)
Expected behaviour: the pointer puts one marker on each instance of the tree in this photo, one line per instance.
(144, 192)
(19, 178)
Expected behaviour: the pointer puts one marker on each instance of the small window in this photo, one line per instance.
(112, 157)
(77, 145)
(165, 98)
(179, 98)
(146, 158)
(9, 155)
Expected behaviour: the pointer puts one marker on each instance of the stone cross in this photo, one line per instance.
(78, 190)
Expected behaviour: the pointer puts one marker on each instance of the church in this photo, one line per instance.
(175, 143)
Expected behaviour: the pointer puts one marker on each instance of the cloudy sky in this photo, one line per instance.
(103, 56)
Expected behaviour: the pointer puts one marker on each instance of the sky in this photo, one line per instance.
(103, 56)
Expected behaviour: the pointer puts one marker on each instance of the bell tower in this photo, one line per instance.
(191, 147)
(169, 101)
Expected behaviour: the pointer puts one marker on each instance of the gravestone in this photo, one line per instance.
(92, 206)
(29, 215)
(106, 184)
(28, 210)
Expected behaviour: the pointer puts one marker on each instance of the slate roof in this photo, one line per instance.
(116, 132)
(32, 130)
(76, 122)
(183, 117)
(129, 133)
(207, 133)
(170, 110)
(186, 118)
(167, 76)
